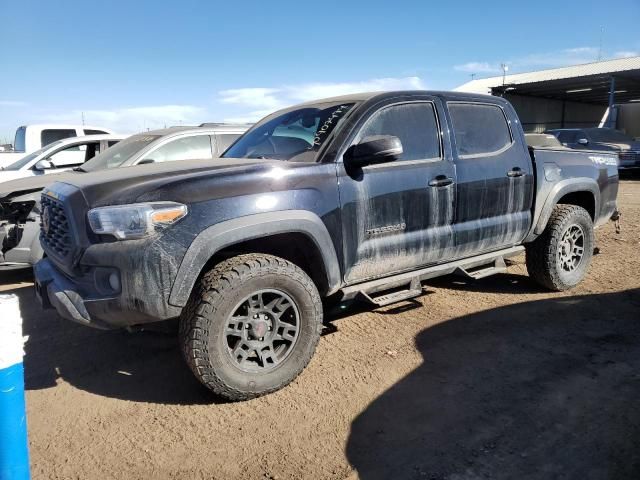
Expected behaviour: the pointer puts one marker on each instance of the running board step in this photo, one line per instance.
(414, 290)
(497, 266)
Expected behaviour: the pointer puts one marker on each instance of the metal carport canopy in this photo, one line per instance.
(589, 83)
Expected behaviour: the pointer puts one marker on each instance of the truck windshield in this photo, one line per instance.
(118, 154)
(295, 135)
(608, 135)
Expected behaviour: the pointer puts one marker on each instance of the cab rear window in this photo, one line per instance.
(54, 134)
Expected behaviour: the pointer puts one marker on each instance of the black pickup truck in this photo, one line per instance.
(356, 197)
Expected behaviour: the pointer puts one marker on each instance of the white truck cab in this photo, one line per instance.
(30, 138)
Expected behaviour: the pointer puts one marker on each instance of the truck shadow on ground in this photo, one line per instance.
(143, 366)
(543, 389)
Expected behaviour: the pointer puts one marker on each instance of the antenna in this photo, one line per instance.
(600, 48)
(83, 119)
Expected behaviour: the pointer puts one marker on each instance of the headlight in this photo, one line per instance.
(136, 220)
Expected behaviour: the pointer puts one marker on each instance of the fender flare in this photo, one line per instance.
(216, 237)
(562, 188)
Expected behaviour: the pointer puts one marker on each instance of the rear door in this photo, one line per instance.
(494, 178)
(397, 216)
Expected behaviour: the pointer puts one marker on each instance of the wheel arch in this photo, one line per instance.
(583, 192)
(306, 234)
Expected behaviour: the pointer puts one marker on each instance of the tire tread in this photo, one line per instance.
(201, 309)
(541, 254)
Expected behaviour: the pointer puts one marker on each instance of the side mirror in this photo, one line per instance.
(146, 160)
(42, 165)
(372, 150)
(583, 141)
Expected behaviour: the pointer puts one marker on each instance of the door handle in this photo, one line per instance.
(515, 172)
(441, 181)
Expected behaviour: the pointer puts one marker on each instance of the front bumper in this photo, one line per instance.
(81, 299)
(55, 290)
(23, 253)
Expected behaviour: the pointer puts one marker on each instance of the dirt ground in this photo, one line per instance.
(487, 379)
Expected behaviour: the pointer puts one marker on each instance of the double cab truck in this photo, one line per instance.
(356, 197)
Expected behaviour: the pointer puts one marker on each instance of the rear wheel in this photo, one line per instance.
(559, 258)
(251, 326)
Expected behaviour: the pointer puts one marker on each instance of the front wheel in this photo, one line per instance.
(559, 258)
(251, 326)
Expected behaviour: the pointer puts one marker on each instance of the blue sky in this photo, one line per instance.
(133, 65)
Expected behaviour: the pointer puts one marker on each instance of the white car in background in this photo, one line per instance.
(20, 198)
(58, 156)
(30, 138)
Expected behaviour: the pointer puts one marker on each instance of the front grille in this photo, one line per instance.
(629, 156)
(56, 234)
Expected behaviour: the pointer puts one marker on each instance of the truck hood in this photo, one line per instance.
(177, 181)
(9, 187)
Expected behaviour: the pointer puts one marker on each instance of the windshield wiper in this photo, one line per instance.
(79, 169)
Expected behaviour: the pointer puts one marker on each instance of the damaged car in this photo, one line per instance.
(20, 199)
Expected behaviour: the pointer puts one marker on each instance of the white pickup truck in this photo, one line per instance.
(30, 138)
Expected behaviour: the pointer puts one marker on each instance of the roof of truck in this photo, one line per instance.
(360, 97)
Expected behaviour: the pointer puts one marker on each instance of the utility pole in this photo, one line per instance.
(83, 119)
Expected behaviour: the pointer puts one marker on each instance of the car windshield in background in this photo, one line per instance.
(296, 135)
(118, 154)
(608, 135)
(24, 161)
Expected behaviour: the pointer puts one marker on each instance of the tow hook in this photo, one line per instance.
(615, 218)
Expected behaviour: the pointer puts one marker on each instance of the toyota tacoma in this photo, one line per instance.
(355, 197)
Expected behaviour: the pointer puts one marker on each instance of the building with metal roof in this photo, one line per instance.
(605, 93)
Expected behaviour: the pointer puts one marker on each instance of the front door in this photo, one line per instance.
(495, 180)
(397, 216)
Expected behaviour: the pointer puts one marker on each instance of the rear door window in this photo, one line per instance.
(479, 129)
(415, 124)
(185, 148)
(224, 141)
(51, 135)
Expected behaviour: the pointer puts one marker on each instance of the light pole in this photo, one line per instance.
(505, 69)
